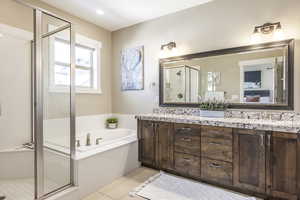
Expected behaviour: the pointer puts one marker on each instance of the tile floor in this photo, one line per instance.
(22, 189)
(120, 188)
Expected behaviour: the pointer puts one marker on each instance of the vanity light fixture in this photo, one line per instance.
(169, 46)
(267, 28)
(168, 50)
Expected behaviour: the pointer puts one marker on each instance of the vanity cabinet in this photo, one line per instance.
(255, 162)
(165, 145)
(187, 149)
(146, 135)
(250, 160)
(284, 165)
(156, 144)
(216, 154)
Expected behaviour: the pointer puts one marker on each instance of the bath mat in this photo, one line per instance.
(164, 186)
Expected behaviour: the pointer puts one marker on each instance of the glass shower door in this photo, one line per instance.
(54, 110)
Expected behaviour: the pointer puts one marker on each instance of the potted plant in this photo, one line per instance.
(112, 123)
(213, 109)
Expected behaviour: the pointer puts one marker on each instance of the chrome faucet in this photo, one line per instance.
(77, 144)
(88, 139)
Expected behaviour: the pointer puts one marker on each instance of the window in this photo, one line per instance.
(87, 67)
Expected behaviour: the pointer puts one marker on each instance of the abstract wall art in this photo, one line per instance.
(132, 68)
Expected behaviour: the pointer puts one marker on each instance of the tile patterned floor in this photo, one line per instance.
(119, 189)
(22, 189)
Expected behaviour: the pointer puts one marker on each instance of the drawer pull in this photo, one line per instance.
(186, 139)
(185, 129)
(214, 165)
(187, 159)
(214, 143)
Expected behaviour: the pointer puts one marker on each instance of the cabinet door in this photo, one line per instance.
(146, 142)
(284, 165)
(165, 145)
(249, 160)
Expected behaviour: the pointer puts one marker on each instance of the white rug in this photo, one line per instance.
(164, 186)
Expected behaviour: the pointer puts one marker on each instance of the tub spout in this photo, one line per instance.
(88, 139)
(77, 144)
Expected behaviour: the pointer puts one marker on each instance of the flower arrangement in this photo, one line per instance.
(213, 108)
(213, 105)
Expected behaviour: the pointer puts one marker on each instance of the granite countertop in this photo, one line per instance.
(259, 124)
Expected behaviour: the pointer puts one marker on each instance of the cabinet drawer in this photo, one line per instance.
(187, 144)
(216, 171)
(187, 164)
(216, 132)
(216, 148)
(187, 129)
(187, 139)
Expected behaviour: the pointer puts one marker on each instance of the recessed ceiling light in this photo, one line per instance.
(100, 12)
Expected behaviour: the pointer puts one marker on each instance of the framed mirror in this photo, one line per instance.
(251, 77)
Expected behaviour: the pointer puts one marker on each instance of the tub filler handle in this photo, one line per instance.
(98, 141)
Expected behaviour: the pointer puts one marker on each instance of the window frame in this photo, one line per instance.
(81, 42)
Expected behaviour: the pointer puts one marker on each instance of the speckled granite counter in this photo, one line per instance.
(259, 124)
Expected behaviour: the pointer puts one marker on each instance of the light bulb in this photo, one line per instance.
(278, 34)
(174, 51)
(162, 54)
(256, 37)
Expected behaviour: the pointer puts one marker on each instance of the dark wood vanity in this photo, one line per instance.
(261, 163)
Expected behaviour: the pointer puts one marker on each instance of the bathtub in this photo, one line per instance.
(100, 164)
(107, 139)
(114, 156)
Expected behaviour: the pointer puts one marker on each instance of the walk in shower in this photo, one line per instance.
(32, 64)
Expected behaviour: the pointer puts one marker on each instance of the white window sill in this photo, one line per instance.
(78, 91)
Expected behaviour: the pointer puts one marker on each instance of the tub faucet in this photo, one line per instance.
(88, 139)
(77, 144)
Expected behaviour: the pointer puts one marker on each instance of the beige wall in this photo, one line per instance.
(216, 25)
(14, 14)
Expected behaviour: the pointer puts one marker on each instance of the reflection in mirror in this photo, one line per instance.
(250, 77)
(181, 83)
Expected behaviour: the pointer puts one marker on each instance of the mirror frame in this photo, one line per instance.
(289, 44)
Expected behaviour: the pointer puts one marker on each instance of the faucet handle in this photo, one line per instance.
(98, 141)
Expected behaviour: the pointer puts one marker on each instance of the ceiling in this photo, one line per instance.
(118, 14)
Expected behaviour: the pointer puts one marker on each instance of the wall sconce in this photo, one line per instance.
(168, 50)
(169, 46)
(265, 29)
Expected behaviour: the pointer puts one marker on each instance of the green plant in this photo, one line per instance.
(112, 120)
(213, 105)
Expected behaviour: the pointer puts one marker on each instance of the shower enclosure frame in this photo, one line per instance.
(37, 90)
